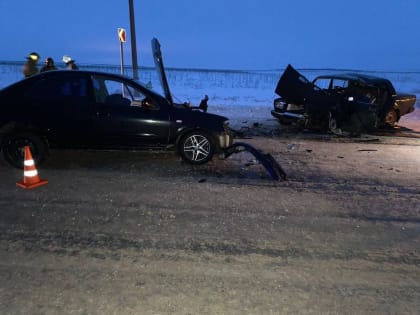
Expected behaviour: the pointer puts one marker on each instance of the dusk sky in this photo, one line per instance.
(220, 34)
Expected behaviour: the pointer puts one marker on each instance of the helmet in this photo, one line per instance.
(67, 59)
(33, 56)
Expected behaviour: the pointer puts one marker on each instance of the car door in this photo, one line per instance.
(60, 105)
(126, 115)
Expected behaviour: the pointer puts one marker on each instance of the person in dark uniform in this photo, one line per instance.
(70, 63)
(30, 67)
(49, 65)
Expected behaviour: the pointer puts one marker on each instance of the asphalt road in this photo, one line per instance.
(144, 233)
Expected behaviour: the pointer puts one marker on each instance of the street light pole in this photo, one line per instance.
(133, 41)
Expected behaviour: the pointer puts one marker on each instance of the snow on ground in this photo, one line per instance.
(239, 95)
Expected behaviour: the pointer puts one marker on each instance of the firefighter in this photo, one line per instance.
(49, 65)
(70, 63)
(30, 67)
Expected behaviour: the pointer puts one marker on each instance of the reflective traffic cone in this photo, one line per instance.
(30, 174)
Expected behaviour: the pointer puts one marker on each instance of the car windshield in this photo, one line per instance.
(157, 89)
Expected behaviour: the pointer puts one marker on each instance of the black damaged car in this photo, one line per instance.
(350, 102)
(95, 110)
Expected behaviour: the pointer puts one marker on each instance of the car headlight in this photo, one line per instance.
(280, 105)
(226, 138)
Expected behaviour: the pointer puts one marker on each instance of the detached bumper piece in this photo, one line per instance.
(274, 169)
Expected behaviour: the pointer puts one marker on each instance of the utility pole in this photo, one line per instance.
(133, 41)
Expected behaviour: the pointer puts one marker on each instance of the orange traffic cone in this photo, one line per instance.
(30, 174)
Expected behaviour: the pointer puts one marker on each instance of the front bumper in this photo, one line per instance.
(289, 115)
(225, 139)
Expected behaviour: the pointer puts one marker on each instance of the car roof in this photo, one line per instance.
(89, 72)
(53, 73)
(352, 76)
(75, 73)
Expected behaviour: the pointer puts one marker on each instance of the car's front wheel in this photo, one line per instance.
(196, 147)
(333, 125)
(13, 147)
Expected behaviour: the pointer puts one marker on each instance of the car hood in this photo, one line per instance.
(192, 118)
(157, 56)
(294, 87)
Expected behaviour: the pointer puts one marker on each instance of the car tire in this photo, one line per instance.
(196, 147)
(333, 125)
(13, 148)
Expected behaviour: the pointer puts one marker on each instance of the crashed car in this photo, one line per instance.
(350, 101)
(97, 110)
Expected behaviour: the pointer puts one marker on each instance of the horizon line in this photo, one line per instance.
(129, 66)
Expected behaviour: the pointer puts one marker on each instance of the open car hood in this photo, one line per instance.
(294, 87)
(157, 56)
